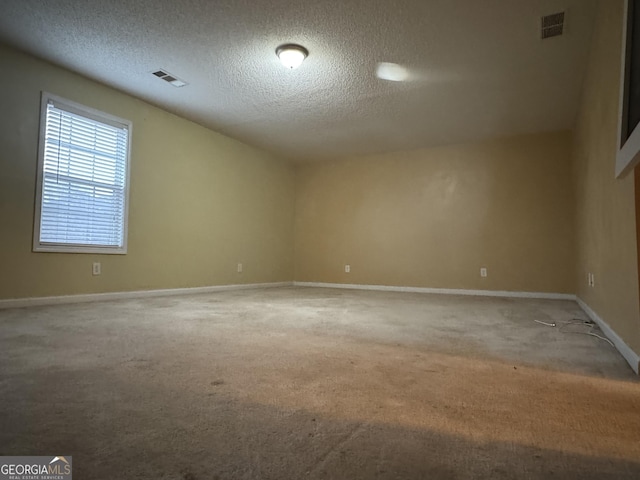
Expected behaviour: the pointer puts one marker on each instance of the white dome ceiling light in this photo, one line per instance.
(291, 55)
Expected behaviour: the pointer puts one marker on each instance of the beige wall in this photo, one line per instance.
(606, 232)
(199, 202)
(433, 217)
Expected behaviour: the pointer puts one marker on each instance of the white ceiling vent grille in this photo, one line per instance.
(170, 78)
(552, 25)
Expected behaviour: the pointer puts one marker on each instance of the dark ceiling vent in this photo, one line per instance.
(170, 78)
(552, 25)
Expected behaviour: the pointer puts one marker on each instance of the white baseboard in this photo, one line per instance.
(443, 291)
(99, 297)
(629, 355)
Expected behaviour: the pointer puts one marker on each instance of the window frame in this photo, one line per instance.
(628, 143)
(98, 116)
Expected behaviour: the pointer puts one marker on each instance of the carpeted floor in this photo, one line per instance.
(297, 383)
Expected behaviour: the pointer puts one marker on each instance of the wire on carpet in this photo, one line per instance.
(577, 321)
(545, 323)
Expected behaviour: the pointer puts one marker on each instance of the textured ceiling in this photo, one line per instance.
(478, 69)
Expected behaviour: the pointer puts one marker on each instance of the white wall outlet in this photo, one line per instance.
(239, 268)
(97, 268)
(593, 280)
(483, 272)
(347, 269)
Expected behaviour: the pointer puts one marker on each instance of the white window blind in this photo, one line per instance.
(82, 180)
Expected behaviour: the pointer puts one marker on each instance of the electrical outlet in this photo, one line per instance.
(97, 270)
(483, 272)
(347, 269)
(593, 280)
(239, 268)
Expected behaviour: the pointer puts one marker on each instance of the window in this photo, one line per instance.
(82, 184)
(628, 154)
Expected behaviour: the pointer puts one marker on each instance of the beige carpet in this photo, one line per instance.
(309, 383)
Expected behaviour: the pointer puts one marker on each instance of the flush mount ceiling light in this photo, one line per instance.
(291, 55)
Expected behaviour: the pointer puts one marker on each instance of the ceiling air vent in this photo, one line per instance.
(552, 25)
(170, 78)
